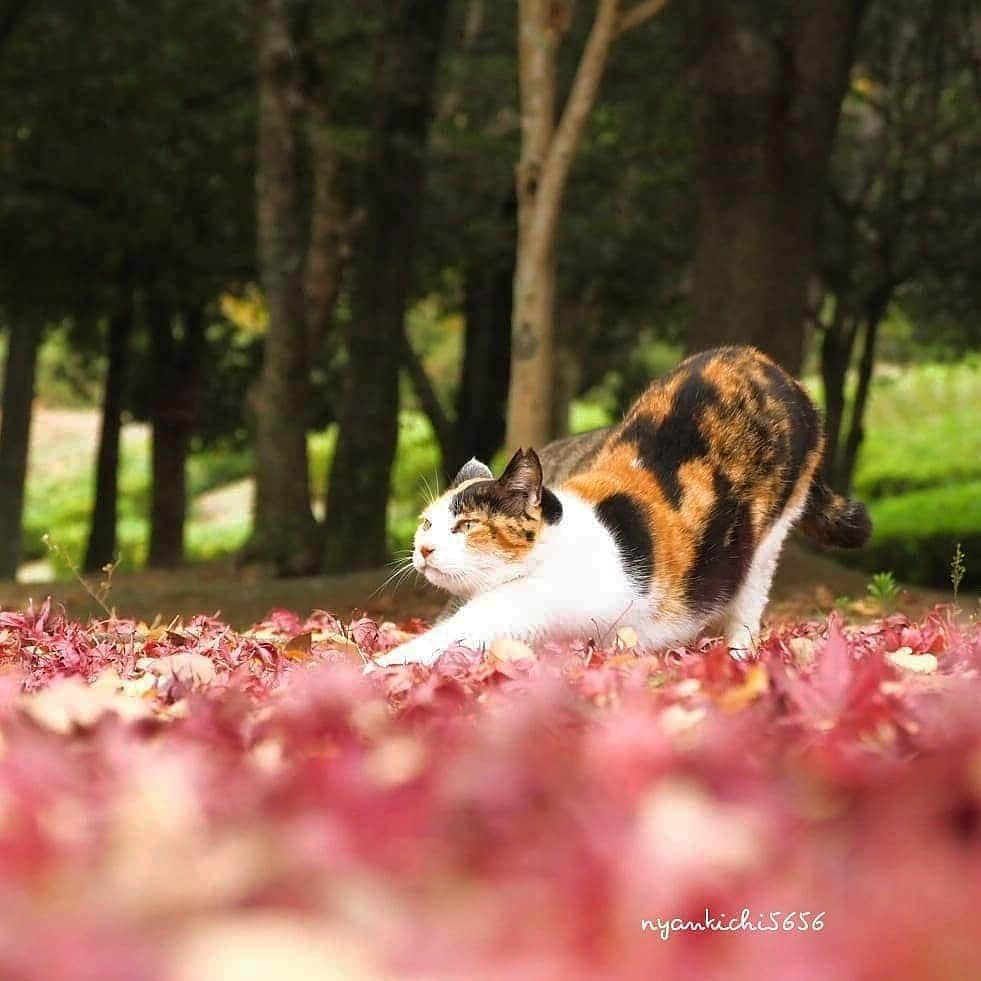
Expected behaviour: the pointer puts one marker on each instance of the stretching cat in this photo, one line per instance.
(675, 526)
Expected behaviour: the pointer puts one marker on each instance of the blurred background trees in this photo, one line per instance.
(267, 266)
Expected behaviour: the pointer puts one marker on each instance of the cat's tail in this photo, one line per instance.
(831, 519)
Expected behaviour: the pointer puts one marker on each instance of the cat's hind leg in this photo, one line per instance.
(741, 620)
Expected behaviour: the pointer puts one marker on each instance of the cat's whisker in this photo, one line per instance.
(430, 496)
(398, 572)
(404, 577)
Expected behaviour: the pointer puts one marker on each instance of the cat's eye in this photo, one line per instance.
(425, 524)
(465, 525)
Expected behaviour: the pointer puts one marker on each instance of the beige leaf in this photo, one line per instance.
(906, 660)
(192, 669)
(803, 649)
(627, 638)
(508, 649)
(257, 946)
(70, 702)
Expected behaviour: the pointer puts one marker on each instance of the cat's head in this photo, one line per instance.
(483, 531)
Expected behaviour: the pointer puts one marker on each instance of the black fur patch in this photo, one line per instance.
(663, 448)
(490, 496)
(724, 551)
(626, 522)
(487, 495)
(805, 426)
(551, 507)
(833, 520)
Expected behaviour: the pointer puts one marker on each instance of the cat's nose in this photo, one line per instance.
(426, 550)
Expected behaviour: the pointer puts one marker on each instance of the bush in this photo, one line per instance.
(915, 535)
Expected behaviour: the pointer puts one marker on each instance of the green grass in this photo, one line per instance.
(60, 492)
(916, 534)
(59, 501)
(923, 430)
(919, 470)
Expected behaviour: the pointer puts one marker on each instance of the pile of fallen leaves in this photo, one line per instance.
(190, 802)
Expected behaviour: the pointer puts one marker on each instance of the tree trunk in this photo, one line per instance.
(15, 430)
(428, 399)
(482, 397)
(856, 429)
(546, 158)
(836, 356)
(174, 412)
(327, 247)
(394, 173)
(284, 531)
(565, 385)
(102, 545)
(772, 79)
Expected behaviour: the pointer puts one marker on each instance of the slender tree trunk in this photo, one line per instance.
(284, 531)
(102, 545)
(357, 496)
(546, 157)
(174, 412)
(15, 430)
(547, 153)
(836, 356)
(327, 249)
(567, 372)
(482, 398)
(772, 79)
(856, 429)
(428, 399)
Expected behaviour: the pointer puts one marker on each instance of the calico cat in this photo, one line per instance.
(675, 525)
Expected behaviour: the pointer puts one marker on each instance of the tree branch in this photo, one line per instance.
(563, 146)
(428, 399)
(638, 14)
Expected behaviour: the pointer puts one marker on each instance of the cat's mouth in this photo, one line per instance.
(433, 574)
(426, 566)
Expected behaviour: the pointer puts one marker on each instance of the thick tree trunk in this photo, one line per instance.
(174, 411)
(284, 531)
(357, 496)
(772, 79)
(102, 545)
(15, 430)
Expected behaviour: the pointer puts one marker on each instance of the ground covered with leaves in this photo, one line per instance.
(190, 802)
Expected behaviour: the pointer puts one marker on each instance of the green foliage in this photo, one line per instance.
(919, 434)
(883, 589)
(916, 534)
(59, 500)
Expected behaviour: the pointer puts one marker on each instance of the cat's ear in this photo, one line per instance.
(523, 476)
(473, 469)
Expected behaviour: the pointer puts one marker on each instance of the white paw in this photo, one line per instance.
(742, 645)
(414, 652)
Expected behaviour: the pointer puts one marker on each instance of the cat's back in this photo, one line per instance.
(703, 463)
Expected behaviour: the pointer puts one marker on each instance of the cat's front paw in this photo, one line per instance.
(418, 651)
(743, 645)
